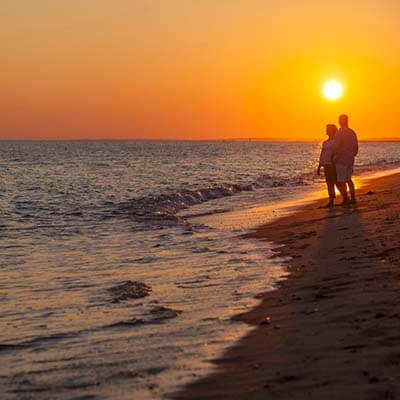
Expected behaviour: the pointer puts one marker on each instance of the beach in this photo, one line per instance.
(331, 329)
(162, 226)
(110, 268)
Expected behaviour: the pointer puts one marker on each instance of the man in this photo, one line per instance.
(346, 148)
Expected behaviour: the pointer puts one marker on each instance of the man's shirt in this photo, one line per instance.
(346, 146)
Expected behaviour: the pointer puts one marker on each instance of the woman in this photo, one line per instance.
(326, 161)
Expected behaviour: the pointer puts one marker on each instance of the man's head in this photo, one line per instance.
(344, 121)
(331, 130)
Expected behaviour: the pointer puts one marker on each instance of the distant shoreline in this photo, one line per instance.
(274, 140)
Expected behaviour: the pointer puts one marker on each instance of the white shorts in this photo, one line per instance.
(343, 172)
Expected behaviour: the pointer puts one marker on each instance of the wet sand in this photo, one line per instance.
(332, 329)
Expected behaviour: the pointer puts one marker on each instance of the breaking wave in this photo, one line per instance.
(166, 206)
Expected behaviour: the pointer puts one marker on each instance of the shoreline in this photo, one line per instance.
(251, 218)
(329, 331)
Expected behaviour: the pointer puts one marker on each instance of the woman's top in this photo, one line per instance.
(327, 152)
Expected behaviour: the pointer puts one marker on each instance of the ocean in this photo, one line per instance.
(81, 222)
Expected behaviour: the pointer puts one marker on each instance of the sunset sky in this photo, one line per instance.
(197, 69)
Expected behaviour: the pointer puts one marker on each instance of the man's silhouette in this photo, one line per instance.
(346, 148)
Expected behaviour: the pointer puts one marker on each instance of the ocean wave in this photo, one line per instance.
(381, 163)
(165, 206)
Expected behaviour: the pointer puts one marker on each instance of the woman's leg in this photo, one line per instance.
(330, 182)
(331, 192)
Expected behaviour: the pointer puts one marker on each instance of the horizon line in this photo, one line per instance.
(251, 139)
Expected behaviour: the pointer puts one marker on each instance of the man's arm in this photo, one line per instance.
(356, 145)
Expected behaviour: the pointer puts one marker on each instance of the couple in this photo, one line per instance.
(337, 160)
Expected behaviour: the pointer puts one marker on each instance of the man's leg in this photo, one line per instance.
(352, 191)
(343, 191)
(342, 177)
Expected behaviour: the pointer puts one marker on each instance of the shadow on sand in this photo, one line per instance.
(310, 345)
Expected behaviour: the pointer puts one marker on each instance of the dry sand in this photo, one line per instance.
(333, 327)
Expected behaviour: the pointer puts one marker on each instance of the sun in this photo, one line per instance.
(333, 90)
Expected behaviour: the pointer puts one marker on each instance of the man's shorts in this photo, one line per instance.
(343, 172)
(330, 173)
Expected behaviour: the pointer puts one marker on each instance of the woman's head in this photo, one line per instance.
(331, 130)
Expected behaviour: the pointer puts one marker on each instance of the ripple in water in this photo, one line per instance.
(88, 226)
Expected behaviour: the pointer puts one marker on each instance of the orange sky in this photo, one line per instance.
(196, 69)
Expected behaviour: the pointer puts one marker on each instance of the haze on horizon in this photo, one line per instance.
(209, 69)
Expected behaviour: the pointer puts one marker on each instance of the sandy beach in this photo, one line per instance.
(331, 330)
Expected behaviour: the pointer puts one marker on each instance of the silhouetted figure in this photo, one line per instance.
(346, 148)
(326, 161)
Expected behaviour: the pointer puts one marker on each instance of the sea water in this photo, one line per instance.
(78, 219)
